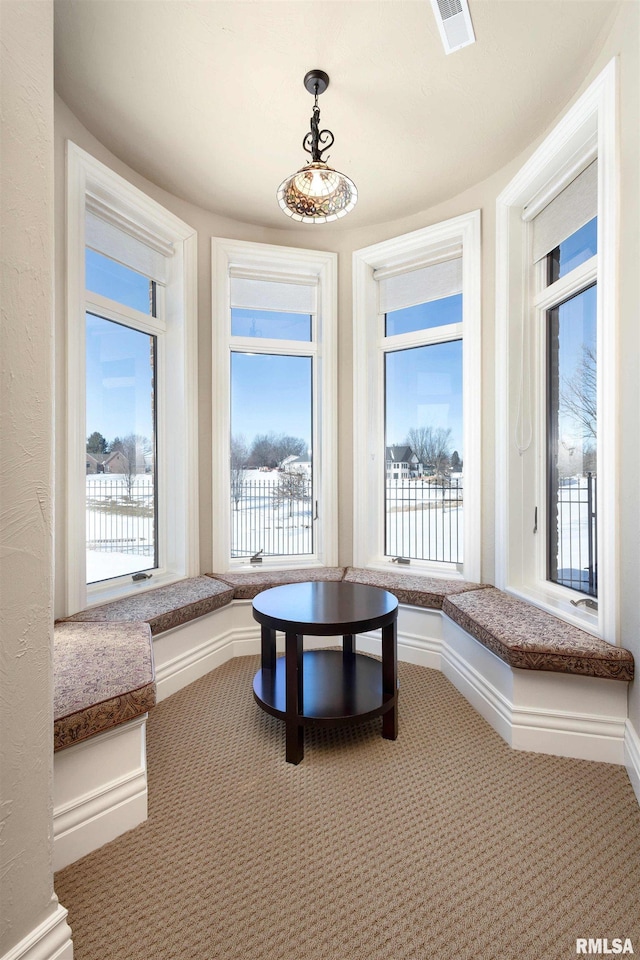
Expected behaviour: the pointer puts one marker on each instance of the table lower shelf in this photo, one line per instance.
(336, 689)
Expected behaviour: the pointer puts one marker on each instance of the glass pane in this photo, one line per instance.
(121, 450)
(424, 316)
(424, 455)
(572, 443)
(119, 283)
(271, 460)
(576, 249)
(270, 324)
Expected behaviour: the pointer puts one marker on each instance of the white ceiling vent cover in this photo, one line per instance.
(454, 23)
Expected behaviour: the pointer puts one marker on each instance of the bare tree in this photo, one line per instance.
(431, 445)
(578, 398)
(270, 449)
(133, 447)
(239, 456)
(292, 486)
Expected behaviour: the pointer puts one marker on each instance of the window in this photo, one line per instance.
(131, 492)
(121, 450)
(417, 400)
(274, 409)
(556, 363)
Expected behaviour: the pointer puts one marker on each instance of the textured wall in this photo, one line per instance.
(26, 451)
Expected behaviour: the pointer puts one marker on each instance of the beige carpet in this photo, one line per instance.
(442, 845)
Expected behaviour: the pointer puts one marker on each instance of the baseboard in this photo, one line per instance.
(100, 790)
(632, 756)
(189, 652)
(50, 940)
(521, 705)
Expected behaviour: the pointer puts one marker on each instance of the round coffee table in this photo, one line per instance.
(327, 687)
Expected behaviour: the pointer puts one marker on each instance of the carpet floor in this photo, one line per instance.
(442, 845)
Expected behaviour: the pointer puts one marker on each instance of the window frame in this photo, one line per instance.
(93, 186)
(271, 262)
(587, 131)
(428, 245)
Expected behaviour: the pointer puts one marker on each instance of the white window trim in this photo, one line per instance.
(291, 264)
(91, 183)
(588, 128)
(420, 246)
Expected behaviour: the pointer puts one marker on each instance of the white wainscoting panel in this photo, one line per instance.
(99, 790)
(561, 714)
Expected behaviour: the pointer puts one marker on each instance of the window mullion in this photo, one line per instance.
(567, 286)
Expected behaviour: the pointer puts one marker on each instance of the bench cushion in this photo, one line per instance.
(103, 676)
(529, 638)
(248, 585)
(164, 607)
(413, 589)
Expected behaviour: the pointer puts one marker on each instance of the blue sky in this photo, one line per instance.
(268, 393)
(119, 370)
(424, 384)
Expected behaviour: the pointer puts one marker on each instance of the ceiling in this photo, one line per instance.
(206, 98)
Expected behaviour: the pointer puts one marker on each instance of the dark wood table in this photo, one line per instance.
(326, 687)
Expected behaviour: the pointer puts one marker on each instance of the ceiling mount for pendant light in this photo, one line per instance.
(317, 193)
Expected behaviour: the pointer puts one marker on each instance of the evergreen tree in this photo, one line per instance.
(96, 443)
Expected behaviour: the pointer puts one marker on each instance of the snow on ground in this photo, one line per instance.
(423, 522)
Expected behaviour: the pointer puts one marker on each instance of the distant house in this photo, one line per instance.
(106, 462)
(402, 463)
(301, 464)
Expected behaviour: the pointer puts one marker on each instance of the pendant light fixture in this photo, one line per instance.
(317, 193)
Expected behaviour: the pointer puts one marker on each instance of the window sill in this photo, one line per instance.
(561, 608)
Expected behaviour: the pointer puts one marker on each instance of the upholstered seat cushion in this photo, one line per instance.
(529, 638)
(412, 589)
(164, 607)
(103, 676)
(248, 585)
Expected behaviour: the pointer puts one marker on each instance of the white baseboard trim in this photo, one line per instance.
(632, 756)
(50, 940)
(100, 790)
(521, 705)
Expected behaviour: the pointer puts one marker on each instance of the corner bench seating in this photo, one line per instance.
(103, 676)
(104, 672)
(520, 634)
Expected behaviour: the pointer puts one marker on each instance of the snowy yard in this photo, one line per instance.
(423, 521)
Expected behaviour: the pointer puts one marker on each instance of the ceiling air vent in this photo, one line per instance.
(454, 23)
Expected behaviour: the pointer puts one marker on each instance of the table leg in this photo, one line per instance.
(348, 647)
(293, 668)
(268, 648)
(390, 680)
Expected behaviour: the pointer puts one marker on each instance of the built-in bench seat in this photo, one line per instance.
(531, 639)
(248, 585)
(104, 686)
(164, 608)
(103, 676)
(410, 588)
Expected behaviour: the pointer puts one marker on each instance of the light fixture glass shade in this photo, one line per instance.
(317, 194)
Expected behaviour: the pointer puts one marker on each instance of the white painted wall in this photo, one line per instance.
(28, 907)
